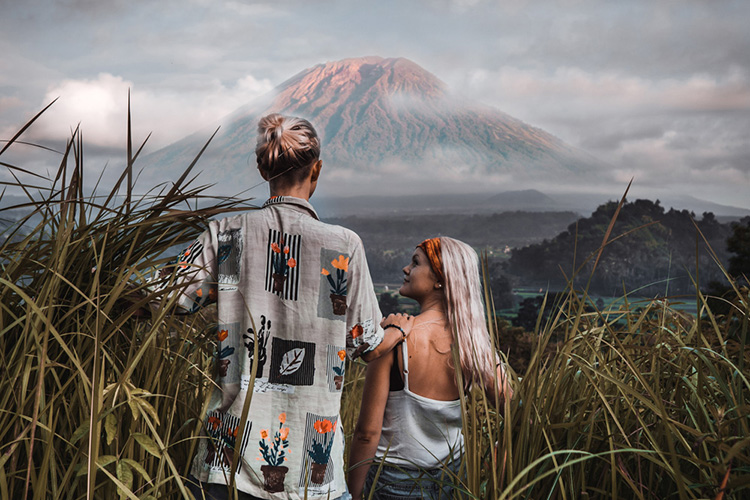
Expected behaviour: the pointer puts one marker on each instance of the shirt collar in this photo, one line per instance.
(292, 201)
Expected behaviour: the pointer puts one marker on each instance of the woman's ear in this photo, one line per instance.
(315, 170)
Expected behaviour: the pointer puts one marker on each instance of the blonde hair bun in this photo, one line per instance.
(287, 146)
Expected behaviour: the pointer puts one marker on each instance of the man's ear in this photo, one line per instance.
(315, 171)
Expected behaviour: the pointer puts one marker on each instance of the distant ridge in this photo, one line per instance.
(386, 119)
(529, 200)
(526, 197)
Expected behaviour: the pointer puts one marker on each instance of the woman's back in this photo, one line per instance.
(431, 369)
(422, 419)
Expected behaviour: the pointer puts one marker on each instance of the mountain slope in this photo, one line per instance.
(382, 119)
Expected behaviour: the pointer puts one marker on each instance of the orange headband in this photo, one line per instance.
(432, 248)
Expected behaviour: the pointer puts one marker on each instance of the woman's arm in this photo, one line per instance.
(370, 423)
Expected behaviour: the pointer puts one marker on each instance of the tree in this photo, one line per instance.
(501, 286)
(739, 244)
(388, 303)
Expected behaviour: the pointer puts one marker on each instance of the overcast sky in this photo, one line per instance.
(660, 90)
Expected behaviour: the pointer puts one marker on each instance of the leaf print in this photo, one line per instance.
(227, 351)
(292, 361)
(223, 254)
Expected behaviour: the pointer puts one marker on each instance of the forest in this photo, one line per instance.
(652, 252)
(390, 240)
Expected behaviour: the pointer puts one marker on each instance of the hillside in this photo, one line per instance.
(652, 251)
(390, 240)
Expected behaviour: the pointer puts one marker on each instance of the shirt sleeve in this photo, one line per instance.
(191, 275)
(362, 312)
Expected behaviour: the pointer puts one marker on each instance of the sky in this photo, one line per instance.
(658, 90)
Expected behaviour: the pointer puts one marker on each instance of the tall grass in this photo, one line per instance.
(95, 403)
(639, 401)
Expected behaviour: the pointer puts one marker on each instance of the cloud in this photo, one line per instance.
(100, 106)
(8, 103)
(684, 133)
(250, 10)
(571, 90)
(95, 104)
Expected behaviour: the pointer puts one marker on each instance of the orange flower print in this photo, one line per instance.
(223, 335)
(212, 293)
(275, 247)
(284, 433)
(199, 292)
(286, 250)
(282, 418)
(291, 262)
(342, 354)
(357, 331)
(323, 426)
(324, 272)
(263, 434)
(214, 423)
(341, 263)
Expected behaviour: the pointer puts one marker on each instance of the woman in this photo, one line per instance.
(294, 297)
(411, 412)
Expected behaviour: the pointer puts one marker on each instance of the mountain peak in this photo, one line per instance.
(361, 76)
(390, 118)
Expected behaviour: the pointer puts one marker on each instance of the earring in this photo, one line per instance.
(440, 285)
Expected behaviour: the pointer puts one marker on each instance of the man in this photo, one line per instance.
(297, 292)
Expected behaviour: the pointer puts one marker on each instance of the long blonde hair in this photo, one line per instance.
(464, 306)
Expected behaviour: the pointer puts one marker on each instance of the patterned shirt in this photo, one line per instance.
(300, 289)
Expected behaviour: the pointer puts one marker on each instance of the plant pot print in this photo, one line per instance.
(226, 454)
(273, 477)
(338, 370)
(274, 451)
(320, 451)
(338, 285)
(278, 282)
(339, 304)
(282, 262)
(223, 367)
(318, 473)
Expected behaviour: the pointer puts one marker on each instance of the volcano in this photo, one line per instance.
(384, 124)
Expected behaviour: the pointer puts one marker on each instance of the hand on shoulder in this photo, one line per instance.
(403, 321)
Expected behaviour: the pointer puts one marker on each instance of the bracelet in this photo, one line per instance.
(391, 325)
